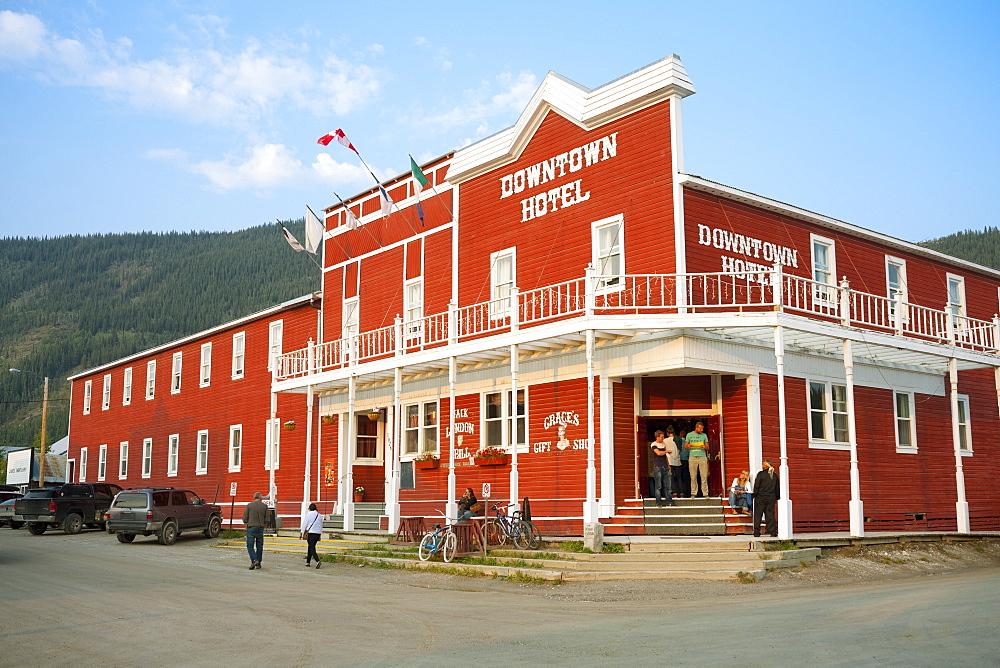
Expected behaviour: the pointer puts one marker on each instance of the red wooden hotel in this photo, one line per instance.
(570, 290)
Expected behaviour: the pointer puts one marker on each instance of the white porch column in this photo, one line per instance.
(754, 431)
(396, 423)
(348, 476)
(856, 506)
(307, 477)
(515, 488)
(590, 507)
(451, 508)
(272, 489)
(961, 505)
(784, 503)
(607, 500)
(677, 167)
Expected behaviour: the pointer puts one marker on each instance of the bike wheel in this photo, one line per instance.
(494, 533)
(448, 546)
(535, 536)
(428, 547)
(522, 534)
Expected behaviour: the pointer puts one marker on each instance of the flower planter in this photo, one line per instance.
(427, 463)
(289, 426)
(358, 498)
(496, 460)
(329, 419)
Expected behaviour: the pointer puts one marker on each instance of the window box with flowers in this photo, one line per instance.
(427, 461)
(359, 494)
(491, 456)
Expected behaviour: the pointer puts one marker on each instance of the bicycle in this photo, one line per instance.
(442, 539)
(522, 533)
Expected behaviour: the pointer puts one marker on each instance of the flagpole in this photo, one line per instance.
(284, 229)
(377, 242)
(431, 183)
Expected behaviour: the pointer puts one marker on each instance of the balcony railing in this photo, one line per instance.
(649, 294)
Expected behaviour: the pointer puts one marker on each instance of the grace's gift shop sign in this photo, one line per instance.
(553, 169)
(561, 422)
(747, 253)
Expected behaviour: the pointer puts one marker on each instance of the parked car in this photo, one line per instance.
(7, 516)
(71, 506)
(164, 511)
(10, 492)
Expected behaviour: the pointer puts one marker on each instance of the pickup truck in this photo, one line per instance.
(70, 507)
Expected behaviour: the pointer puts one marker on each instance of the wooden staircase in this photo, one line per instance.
(366, 516)
(687, 517)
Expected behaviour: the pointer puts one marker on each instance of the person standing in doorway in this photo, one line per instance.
(312, 531)
(765, 492)
(685, 468)
(696, 444)
(659, 449)
(674, 459)
(255, 518)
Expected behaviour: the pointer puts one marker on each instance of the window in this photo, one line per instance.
(102, 462)
(272, 445)
(350, 325)
(173, 446)
(367, 438)
(828, 413)
(88, 390)
(123, 460)
(413, 291)
(150, 379)
(205, 368)
(147, 457)
(501, 282)
(964, 428)
(83, 464)
(497, 417)
(824, 269)
(420, 428)
(235, 447)
(895, 280)
(609, 261)
(239, 354)
(956, 300)
(201, 461)
(106, 393)
(275, 334)
(175, 374)
(127, 387)
(906, 427)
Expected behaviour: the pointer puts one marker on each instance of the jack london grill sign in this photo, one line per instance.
(552, 169)
(750, 253)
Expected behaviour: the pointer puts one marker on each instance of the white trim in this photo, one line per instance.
(83, 465)
(498, 310)
(967, 427)
(413, 334)
(173, 454)
(272, 442)
(123, 460)
(379, 457)
(88, 396)
(827, 296)
(176, 366)
(962, 304)
(830, 442)
(382, 249)
(234, 449)
(912, 418)
(150, 386)
(506, 399)
(595, 250)
(420, 429)
(205, 365)
(239, 357)
(275, 341)
(147, 458)
(102, 463)
(127, 386)
(106, 392)
(202, 438)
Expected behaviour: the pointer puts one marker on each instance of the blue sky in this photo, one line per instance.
(172, 115)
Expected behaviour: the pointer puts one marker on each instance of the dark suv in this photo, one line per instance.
(164, 511)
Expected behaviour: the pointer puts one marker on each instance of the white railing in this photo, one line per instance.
(598, 296)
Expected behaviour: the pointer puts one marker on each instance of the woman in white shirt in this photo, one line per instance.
(740, 494)
(312, 531)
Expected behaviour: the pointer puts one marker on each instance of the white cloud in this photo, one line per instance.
(487, 102)
(199, 85)
(267, 166)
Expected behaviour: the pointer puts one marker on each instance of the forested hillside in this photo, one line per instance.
(72, 303)
(979, 246)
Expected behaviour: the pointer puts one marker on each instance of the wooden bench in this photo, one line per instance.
(411, 530)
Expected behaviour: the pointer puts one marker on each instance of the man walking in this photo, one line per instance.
(696, 444)
(255, 518)
(661, 448)
(765, 493)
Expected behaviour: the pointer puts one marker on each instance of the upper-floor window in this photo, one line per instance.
(420, 428)
(83, 464)
(150, 379)
(201, 460)
(205, 367)
(498, 411)
(964, 427)
(272, 444)
(828, 413)
(413, 291)
(501, 282)
(102, 462)
(608, 257)
(106, 393)
(123, 460)
(275, 334)
(956, 300)
(127, 387)
(235, 447)
(906, 424)
(239, 354)
(350, 313)
(895, 281)
(173, 453)
(147, 457)
(824, 269)
(175, 373)
(88, 390)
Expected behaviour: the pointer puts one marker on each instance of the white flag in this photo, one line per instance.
(352, 220)
(292, 241)
(314, 231)
(386, 202)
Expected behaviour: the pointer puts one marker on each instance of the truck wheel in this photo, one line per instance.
(37, 528)
(168, 533)
(214, 527)
(125, 537)
(73, 523)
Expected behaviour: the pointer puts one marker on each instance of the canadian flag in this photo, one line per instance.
(339, 136)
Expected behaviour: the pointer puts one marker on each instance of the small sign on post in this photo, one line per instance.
(232, 489)
(232, 505)
(486, 490)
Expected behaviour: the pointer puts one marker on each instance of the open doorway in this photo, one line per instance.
(647, 428)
